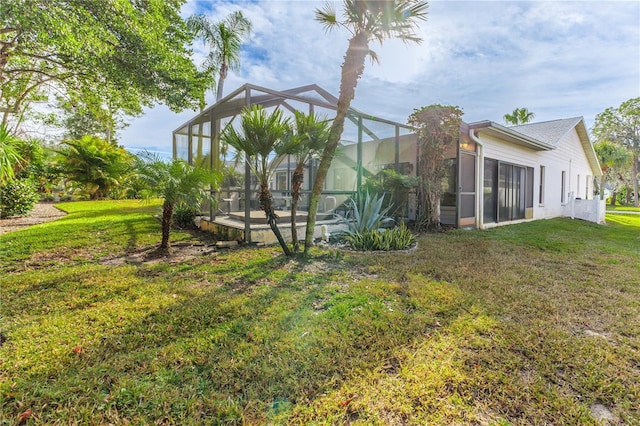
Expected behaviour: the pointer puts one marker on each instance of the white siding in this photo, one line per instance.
(568, 156)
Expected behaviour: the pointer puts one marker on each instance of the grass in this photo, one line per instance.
(623, 208)
(524, 324)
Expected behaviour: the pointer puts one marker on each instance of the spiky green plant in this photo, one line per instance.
(398, 238)
(366, 213)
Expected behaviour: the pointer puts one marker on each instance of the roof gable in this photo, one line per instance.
(549, 132)
(544, 136)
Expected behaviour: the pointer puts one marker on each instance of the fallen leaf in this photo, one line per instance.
(22, 418)
(345, 403)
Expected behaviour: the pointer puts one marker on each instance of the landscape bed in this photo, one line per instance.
(534, 323)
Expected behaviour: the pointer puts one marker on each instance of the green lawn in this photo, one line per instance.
(524, 324)
(623, 209)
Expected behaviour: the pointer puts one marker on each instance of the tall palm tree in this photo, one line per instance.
(312, 134)
(175, 183)
(263, 137)
(366, 21)
(519, 116)
(611, 157)
(225, 39)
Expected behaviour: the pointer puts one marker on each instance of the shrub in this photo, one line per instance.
(17, 197)
(184, 215)
(367, 214)
(399, 238)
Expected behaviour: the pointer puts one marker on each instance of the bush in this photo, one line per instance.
(399, 238)
(367, 214)
(184, 215)
(17, 197)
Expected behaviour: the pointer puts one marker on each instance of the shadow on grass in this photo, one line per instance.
(251, 336)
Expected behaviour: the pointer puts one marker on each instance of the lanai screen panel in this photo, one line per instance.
(369, 145)
(201, 142)
(181, 143)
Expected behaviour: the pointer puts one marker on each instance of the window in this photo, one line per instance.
(541, 193)
(281, 181)
(507, 192)
(578, 188)
(563, 186)
(449, 189)
(528, 188)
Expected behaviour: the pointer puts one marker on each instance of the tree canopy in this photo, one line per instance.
(118, 55)
(224, 39)
(622, 126)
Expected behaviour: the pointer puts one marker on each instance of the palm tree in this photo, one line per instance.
(95, 164)
(225, 41)
(366, 21)
(263, 136)
(519, 116)
(311, 133)
(175, 183)
(9, 155)
(611, 157)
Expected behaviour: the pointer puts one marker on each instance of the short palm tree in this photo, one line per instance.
(94, 164)
(519, 116)
(175, 183)
(225, 39)
(9, 155)
(366, 21)
(311, 134)
(262, 138)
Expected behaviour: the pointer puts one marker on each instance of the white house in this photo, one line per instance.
(532, 171)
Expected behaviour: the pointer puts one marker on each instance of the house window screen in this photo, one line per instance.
(529, 188)
(563, 187)
(449, 191)
(281, 181)
(541, 193)
(587, 189)
(510, 194)
(490, 190)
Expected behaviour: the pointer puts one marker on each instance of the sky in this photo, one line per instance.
(558, 59)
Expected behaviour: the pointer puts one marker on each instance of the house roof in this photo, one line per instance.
(543, 136)
(550, 132)
(510, 135)
(554, 131)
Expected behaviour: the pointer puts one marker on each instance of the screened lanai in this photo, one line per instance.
(368, 146)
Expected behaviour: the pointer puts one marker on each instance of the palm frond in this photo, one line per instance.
(327, 17)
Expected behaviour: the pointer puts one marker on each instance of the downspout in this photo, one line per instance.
(479, 180)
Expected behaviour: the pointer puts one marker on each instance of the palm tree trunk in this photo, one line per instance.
(352, 69)
(167, 215)
(603, 182)
(266, 203)
(296, 184)
(220, 87)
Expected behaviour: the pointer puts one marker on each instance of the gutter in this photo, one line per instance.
(512, 135)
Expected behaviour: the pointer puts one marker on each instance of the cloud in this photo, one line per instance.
(558, 59)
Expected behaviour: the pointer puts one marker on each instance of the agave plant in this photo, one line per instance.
(366, 214)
